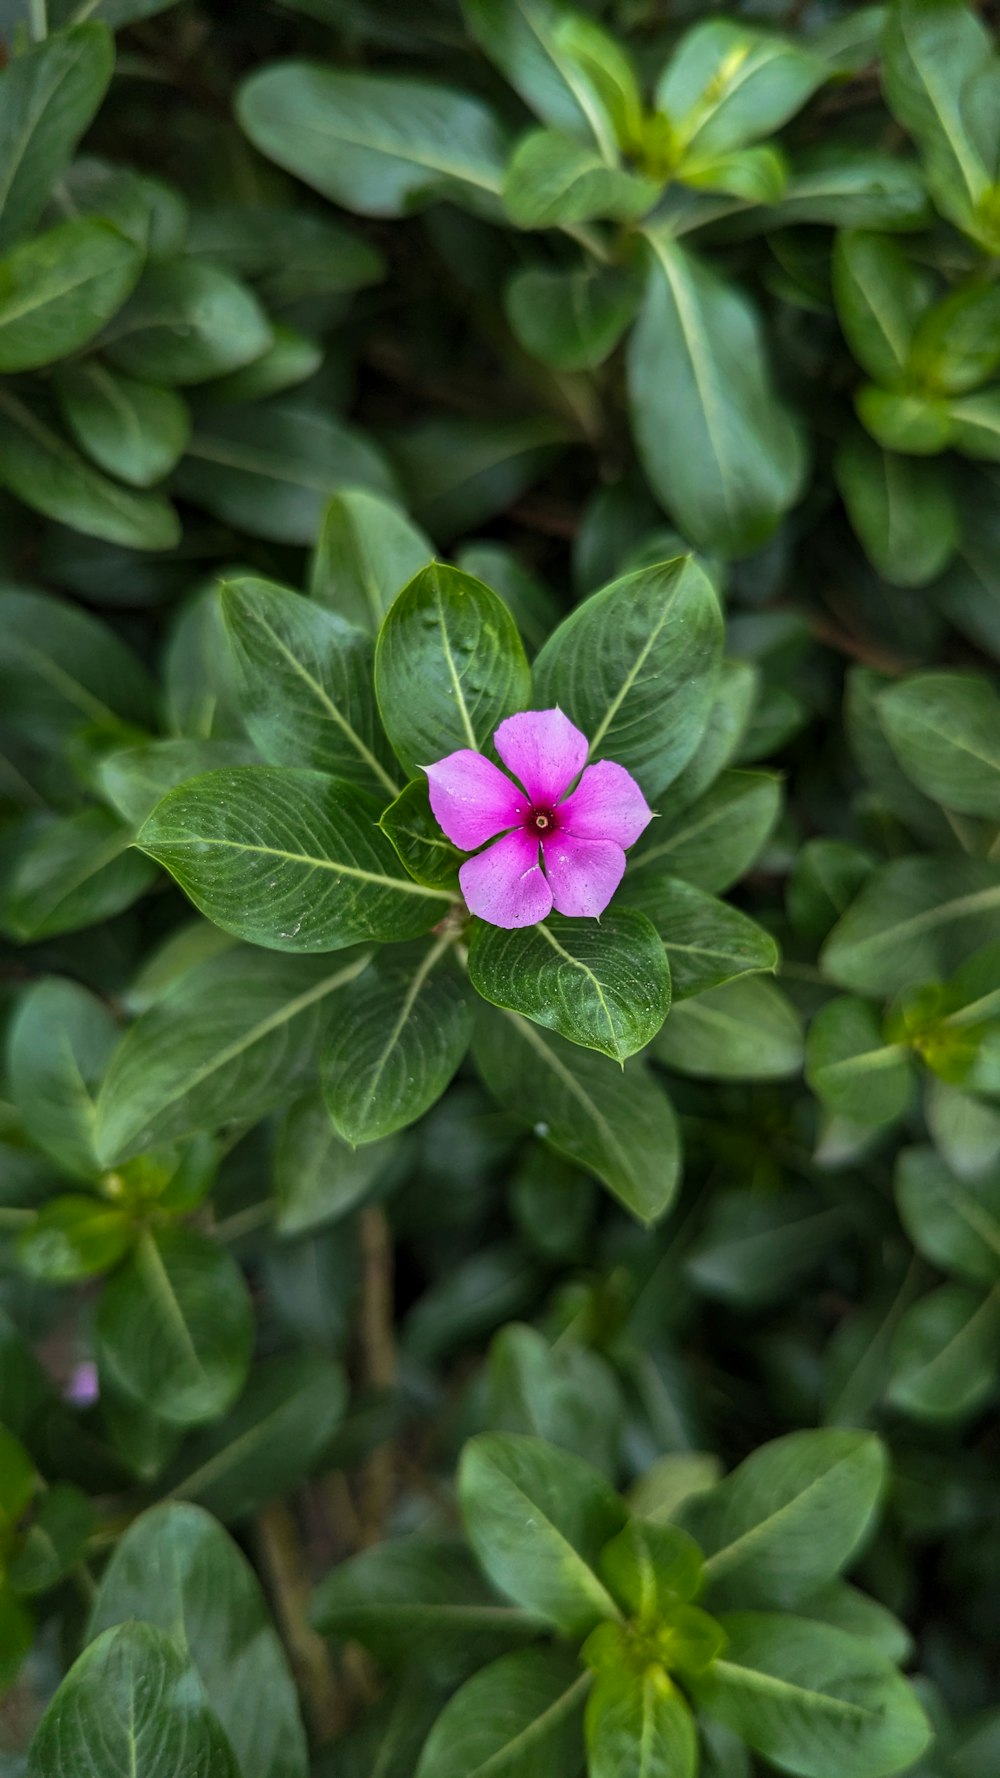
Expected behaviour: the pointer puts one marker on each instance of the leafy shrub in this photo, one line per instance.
(499, 890)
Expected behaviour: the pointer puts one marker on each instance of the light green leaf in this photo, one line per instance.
(933, 53)
(304, 681)
(789, 1519)
(620, 1127)
(975, 424)
(449, 665)
(634, 666)
(916, 425)
(706, 941)
(132, 1702)
(813, 1699)
(38, 465)
(551, 181)
(400, 1034)
(650, 1568)
(225, 1043)
(72, 871)
(719, 449)
(174, 1328)
(852, 1068)
(72, 1238)
(291, 359)
(366, 552)
(639, 1726)
(880, 294)
(944, 729)
(945, 1359)
(48, 96)
(378, 145)
(745, 1030)
(574, 75)
(727, 84)
(520, 1717)
(901, 508)
(186, 323)
(537, 1518)
(288, 859)
(58, 290)
(915, 920)
(957, 345)
(758, 175)
(603, 984)
(175, 1568)
(58, 1048)
(135, 431)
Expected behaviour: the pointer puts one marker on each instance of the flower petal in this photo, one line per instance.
(544, 751)
(607, 804)
(472, 799)
(504, 885)
(583, 874)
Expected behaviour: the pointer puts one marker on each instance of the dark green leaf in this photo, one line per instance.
(933, 53)
(825, 878)
(58, 1049)
(304, 684)
(378, 145)
(945, 1361)
(38, 465)
(73, 1238)
(449, 665)
(571, 320)
(957, 345)
(61, 668)
(460, 472)
(48, 96)
(635, 667)
(366, 552)
(176, 1569)
(944, 729)
(175, 1328)
(552, 181)
(538, 1518)
(650, 1568)
(135, 431)
(59, 289)
(955, 1222)
(132, 1702)
(186, 323)
(401, 1032)
(288, 859)
(901, 508)
(137, 778)
(410, 824)
(881, 295)
(72, 872)
(55, 1540)
(603, 984)
(745, 1030)
(706, 941)
(574, 75)
(914, 920)
(520, 1717)
(18, 1480)
(852, 1068)
(563, 1393)
(621, 1127)
(318, 1177)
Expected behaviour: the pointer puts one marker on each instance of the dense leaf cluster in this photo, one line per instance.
(429, 1347)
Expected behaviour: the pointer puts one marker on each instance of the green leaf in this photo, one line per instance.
(449, 665)
(915, 920)
(48, 96)
(58, 290)
(620, 1127)
(135, 779)
(460, 472)
(270, 468)
(737, 691)
(975, 425)
(73, 1238)
(727, 84)
(945, 1356)
(954, 1222)
(410, 824)
(745, 1030)
(176, 1569)
(572, 319)
(813, 1699)
(288, 859)
(880, 295)
(639, 1726)
(635, 667)
(135, 431)
(846, 1609)
(367, 550)
(851, 1067)
(17, 1481)
(551, 181)
(290, 360)
(535, 607)
(73, 871)
(758, 175)
(650, 1568)
(225, 1043)
(131, 1697)
(54, 1542)
(58, 1048)
(719, 449)
(706, 941)
(152, 213)
(379, 146)
(38, 465)
(843, 186)
(304, 683)
(901, 508)
(957, 345)
(318, 1176)
(401, 1032)
(789, 1519)
(933, 54)
(537, 1518)
(61, 668)
(174, 1327)
(186, 323)
(521, 1717)
(826, 876)
(944, 729)
(423, 1594)
(271, 1441)
(574, 75)
(603, 984)
(756, 1245)
(563, 1393)
(913, 424)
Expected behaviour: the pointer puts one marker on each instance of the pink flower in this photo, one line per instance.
(560, 848)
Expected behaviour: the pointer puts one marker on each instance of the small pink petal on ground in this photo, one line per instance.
(583, 874)
(472, 799)
(544, 751)
(504, 885)
(607, 804)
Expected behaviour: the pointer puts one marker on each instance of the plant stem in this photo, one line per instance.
(283, 1563)
(39, 20)
(378, 1362)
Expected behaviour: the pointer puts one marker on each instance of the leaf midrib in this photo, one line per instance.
(722, 1560)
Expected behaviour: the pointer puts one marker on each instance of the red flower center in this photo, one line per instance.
(541, 821)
